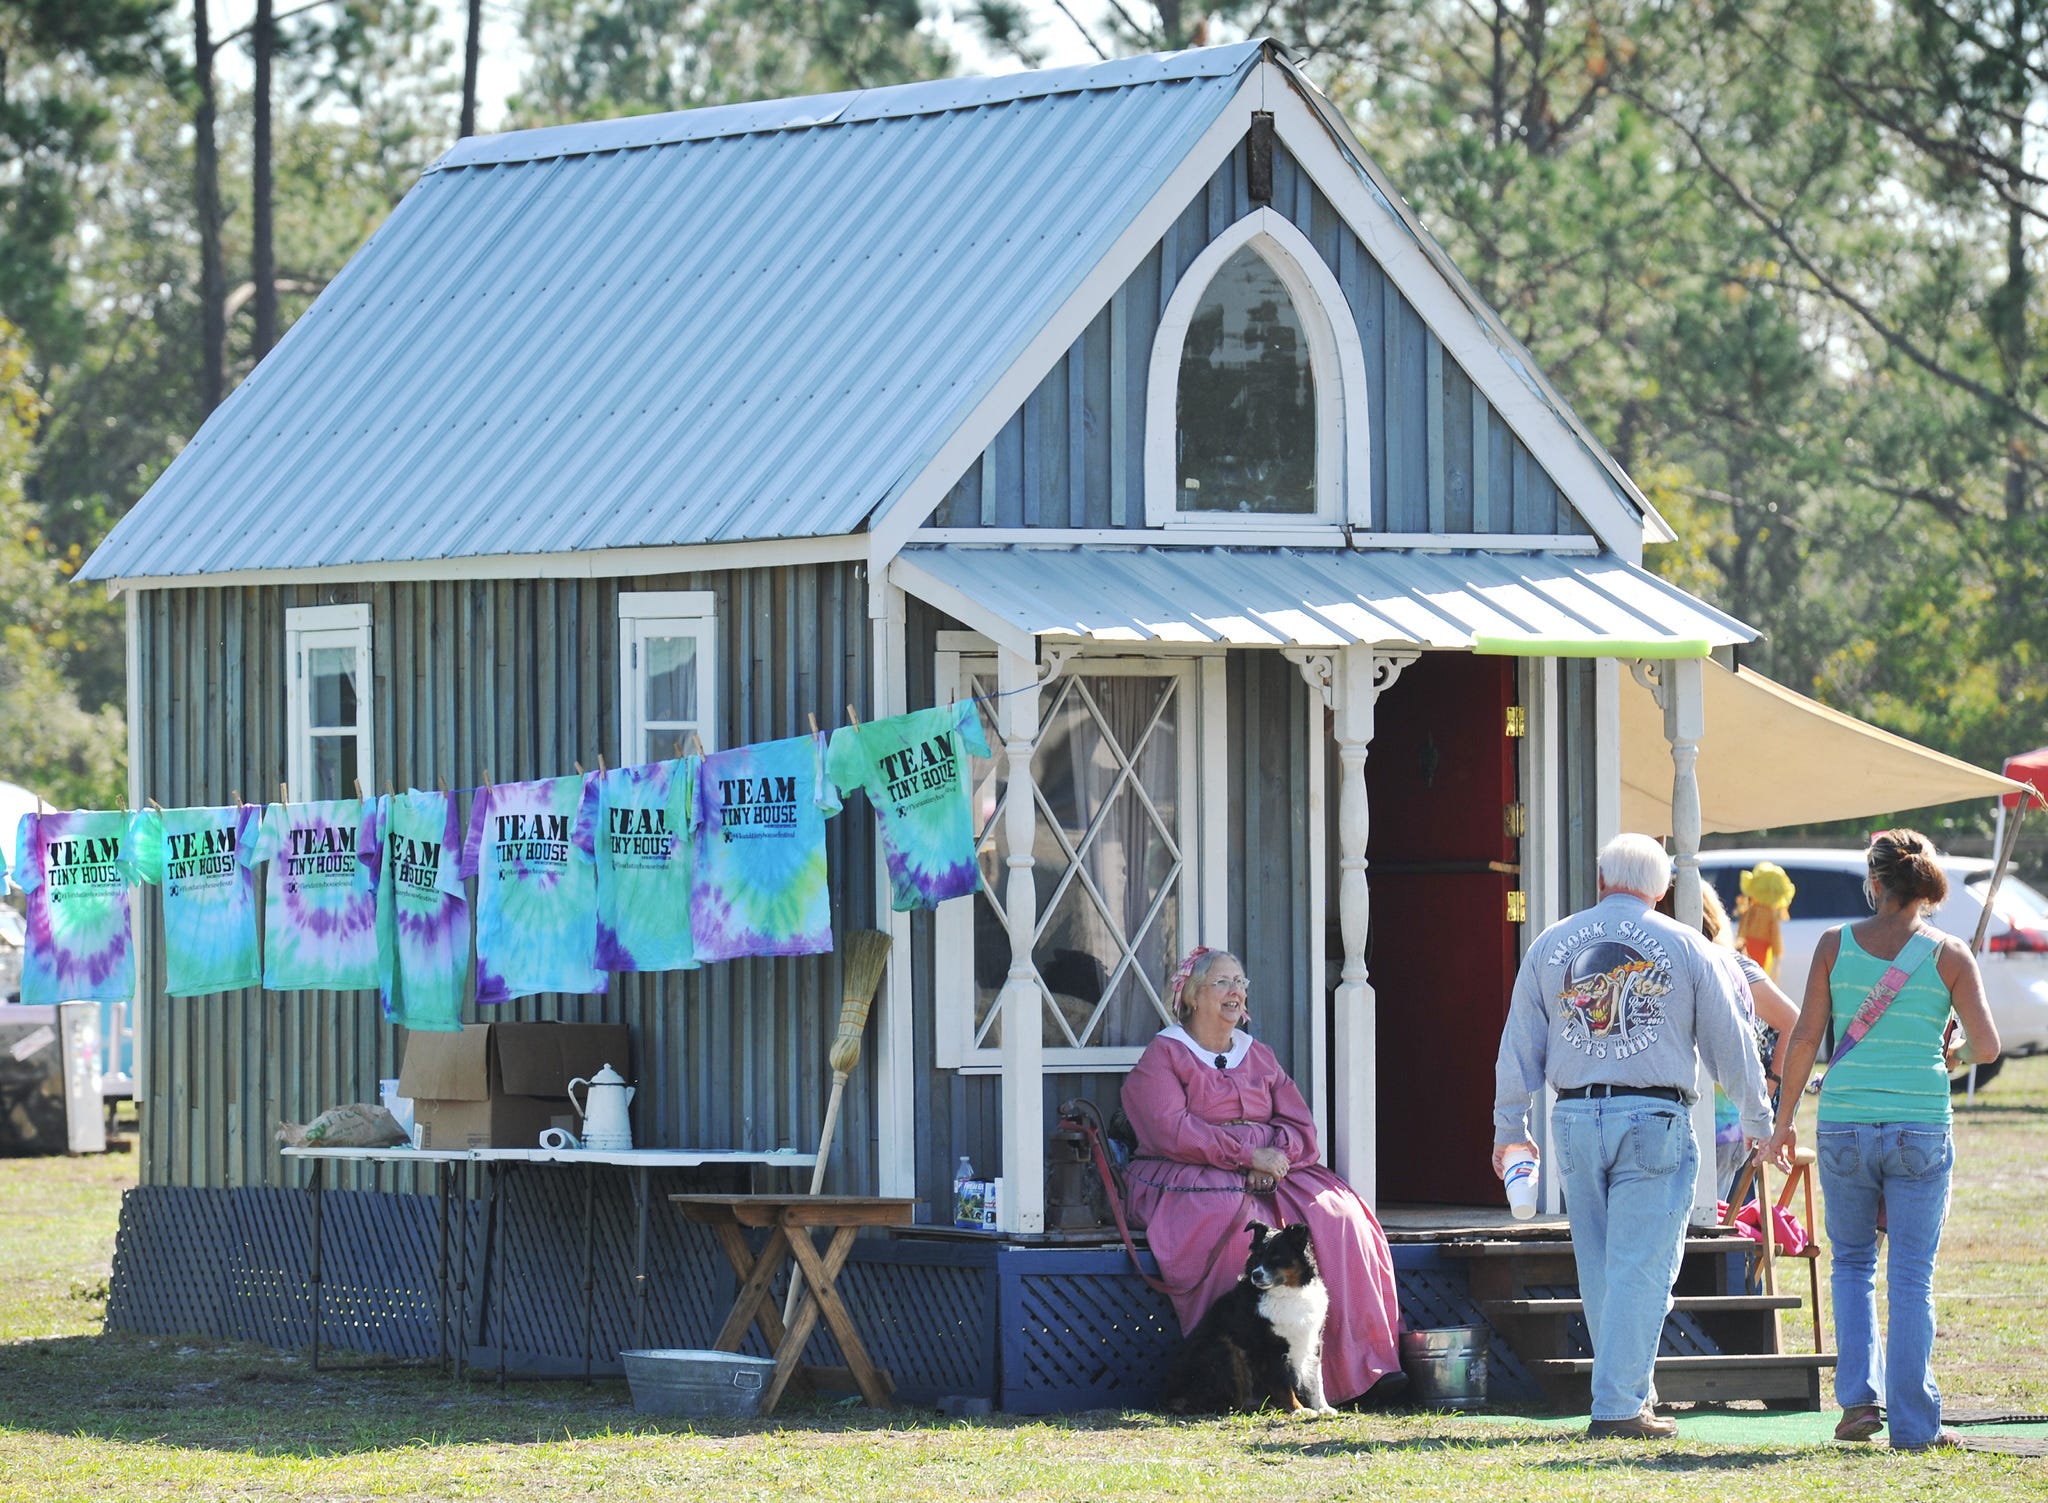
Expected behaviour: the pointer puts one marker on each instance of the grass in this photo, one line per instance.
(85, 1415)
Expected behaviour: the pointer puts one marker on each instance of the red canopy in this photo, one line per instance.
(2028, 767)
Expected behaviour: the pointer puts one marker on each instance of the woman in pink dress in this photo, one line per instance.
(1225, 1139)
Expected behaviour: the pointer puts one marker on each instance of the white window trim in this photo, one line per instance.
(305, 628)
(1343, 475)
(1203, 897)
(665, 613)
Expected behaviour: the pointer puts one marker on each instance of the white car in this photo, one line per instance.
(1829, 891)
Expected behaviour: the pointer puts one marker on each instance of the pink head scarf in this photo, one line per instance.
(1183, 971)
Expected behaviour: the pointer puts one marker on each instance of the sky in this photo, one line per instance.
(503, 56)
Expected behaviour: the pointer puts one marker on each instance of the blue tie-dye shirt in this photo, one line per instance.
(209, 896)
(759, 887)
(411, 847)
(76, 869)
(532, 849)
(644, 856)
(916, 773)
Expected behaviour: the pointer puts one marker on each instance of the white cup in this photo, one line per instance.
(1521, 1183)
(559, 1139)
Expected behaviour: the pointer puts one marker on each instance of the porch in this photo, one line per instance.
(1033, 1325)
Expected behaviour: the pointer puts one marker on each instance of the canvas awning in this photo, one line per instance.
(1772, 757)
(1538, 602)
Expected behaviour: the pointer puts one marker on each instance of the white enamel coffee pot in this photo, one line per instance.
(603, 1110)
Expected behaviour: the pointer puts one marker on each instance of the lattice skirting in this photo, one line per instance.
(1035, 1331)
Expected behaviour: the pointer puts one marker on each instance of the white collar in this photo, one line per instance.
(1240, 1046)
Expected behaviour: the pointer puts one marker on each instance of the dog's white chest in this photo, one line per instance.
(1297, 1315)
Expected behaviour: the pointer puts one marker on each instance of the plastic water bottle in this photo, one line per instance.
(966, 1196)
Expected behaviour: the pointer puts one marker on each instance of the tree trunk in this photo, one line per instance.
(206, 200)
(472, 52)
(263, 250)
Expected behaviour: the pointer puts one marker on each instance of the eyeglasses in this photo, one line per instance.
(1242, 985)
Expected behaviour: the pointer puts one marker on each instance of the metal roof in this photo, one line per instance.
(1313, 597)
(757, 321)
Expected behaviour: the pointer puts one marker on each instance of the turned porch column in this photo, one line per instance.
(1022, 1208)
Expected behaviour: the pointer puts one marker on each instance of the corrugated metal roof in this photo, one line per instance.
(749, 322)
(1323, 597)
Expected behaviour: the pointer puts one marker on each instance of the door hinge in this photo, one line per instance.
(1514, 820)
(1517, 721)
(1518, 906)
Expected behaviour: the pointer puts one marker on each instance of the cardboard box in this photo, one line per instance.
(501, 1085)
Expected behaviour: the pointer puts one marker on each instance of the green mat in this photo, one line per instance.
(1981, 1429)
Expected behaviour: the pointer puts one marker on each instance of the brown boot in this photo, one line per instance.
(1648, 1425)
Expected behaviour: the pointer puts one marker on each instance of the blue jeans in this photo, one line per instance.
(1905, 1165)
(1629, 1164)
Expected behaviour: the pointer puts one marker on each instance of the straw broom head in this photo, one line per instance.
(865, 953)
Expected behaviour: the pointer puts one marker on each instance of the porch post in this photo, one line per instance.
(1022, 1208)
(1684, 698)
(896, 1131)
(1362, 673)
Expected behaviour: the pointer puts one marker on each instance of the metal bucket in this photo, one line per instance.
(1446, 1366)
(688, 1383)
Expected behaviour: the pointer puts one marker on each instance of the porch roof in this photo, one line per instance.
(1536, 601)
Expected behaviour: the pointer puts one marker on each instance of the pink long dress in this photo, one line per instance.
(1197, 1127)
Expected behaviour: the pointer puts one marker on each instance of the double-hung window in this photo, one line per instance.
(667, 673)
(328, 701)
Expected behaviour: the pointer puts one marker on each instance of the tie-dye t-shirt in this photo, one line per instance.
(643, 867)
(916, 777)
(411, 849)
(319, 910)
(76, 869)
(759, 887)
(209, 895)
(532, 849)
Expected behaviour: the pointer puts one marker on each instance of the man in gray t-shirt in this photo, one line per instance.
(1609, 1007)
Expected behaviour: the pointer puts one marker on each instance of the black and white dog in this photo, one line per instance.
(1261, 1343)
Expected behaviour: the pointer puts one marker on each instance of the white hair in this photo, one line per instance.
(1637, 863)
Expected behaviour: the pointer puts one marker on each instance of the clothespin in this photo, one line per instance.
(696, 744)
(487, 778)
(579, 768)
(814, 722)
(284, 793)
(359, 789)
(390, 791)
(679, 742)
(600, 764)
(443, 781)
(235, 797)
(154, 805)
(853, 715)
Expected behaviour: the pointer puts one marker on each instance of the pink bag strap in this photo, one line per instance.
(1910, 958)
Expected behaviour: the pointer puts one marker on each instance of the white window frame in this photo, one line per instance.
(1343, 475)
(665, 613)
(1204, 893)
(326, 626)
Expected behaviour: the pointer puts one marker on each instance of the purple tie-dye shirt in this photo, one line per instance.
(76, 868)
(643, 867)
(759, 887)
(915, 770)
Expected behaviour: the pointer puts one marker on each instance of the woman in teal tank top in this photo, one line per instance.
(1883, 1133)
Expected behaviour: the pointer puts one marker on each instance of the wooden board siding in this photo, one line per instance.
(1442, 460)
(519, 677)
(1268, 884)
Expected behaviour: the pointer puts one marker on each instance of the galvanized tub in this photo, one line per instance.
(688, 1383)
(1446, 1366)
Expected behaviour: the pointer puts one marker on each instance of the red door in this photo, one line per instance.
(1441, 954)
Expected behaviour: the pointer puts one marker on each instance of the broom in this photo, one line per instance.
(865, 953)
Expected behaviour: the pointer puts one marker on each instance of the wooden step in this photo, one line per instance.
(1689, 1303)
(1554, 1247)
(1791, 1376)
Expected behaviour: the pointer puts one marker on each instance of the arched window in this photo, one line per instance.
(1246, 430)
(1256, 403)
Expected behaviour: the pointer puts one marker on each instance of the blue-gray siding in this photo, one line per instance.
(518, 677)
(1442, 459)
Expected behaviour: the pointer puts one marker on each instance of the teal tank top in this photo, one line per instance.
(1895, 1074)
